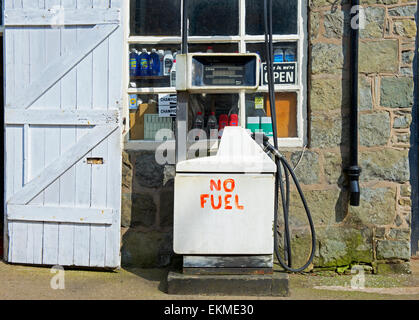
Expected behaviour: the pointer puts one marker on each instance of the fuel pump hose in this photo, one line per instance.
(282, 164)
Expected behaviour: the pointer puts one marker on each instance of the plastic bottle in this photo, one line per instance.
(212, 126)
(290, 55)
(133, 63)
(234, 120)
(161, 57)
(174, 55)
(173, 74)
(154, 63)
(210, 49)
(278, 55)
(168, 62)
(144, 63)
(199, 121)
(223, 122)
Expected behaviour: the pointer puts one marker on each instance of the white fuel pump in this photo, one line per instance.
(226, 206)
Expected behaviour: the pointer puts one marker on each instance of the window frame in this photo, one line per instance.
(241, 40)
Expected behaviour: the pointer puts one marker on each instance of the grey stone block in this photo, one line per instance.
(276, 284)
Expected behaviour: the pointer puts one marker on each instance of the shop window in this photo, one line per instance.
(155, 17)
(216, 26)
(208, 17)
(284, 20)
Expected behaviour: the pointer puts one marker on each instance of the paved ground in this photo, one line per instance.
(27, 282)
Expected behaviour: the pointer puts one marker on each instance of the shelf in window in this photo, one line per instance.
(149, 77)
(151, 90)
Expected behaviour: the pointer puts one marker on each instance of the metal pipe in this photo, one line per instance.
(353, 171)
(185, 27)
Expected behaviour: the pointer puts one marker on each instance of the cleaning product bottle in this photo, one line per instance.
(210, 49)
(144, 63)
(290, 55)
(212, 126)
(278, 55)
(173, 74)
(168, 62)
(161, 56)
(154, 63)
(223, 122)
(133, 63)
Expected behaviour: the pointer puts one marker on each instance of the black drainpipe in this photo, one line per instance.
(353, 171)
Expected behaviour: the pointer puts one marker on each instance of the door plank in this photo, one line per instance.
(56, 18)
(59, 214)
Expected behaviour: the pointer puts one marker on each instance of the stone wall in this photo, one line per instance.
(147, 210)
(378, 231)
(375, 234)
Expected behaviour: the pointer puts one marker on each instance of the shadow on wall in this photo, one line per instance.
(413, 154)
(147, 211)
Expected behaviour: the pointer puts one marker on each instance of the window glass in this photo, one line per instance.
(148, 115)
(155, 17)
(213, 17)
(258, 114)
(213, 47)
(284, 17)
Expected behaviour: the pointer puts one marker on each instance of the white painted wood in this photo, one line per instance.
(82, 200)
(52, 100)
(20, 68)
(20, 233)
(57, 68)
(83, 170)
(57, 17)
(59, 214)
(61, 117)
(36, 162)
(61, 164)
(67, 108)
(68, 139)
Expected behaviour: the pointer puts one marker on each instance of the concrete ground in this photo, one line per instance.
(28, 282)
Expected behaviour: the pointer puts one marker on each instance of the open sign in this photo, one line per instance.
(284, 73)
(226, 200)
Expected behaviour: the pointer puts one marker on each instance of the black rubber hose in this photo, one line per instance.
(281, 162)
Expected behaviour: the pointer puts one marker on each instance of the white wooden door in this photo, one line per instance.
(63, 89)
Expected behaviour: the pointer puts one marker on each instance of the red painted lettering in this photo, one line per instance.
(232, 185)
(216, 185)
(227, 202)
(220, 203)
(203, 197)
(238, 206)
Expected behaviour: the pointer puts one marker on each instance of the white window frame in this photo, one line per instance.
(240, 40)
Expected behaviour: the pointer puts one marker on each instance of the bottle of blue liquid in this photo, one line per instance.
(133, 63)
(154, 63)
(144, 63)
(278, 55)
(290, 55)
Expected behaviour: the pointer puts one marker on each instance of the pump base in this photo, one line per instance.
(276, 284)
